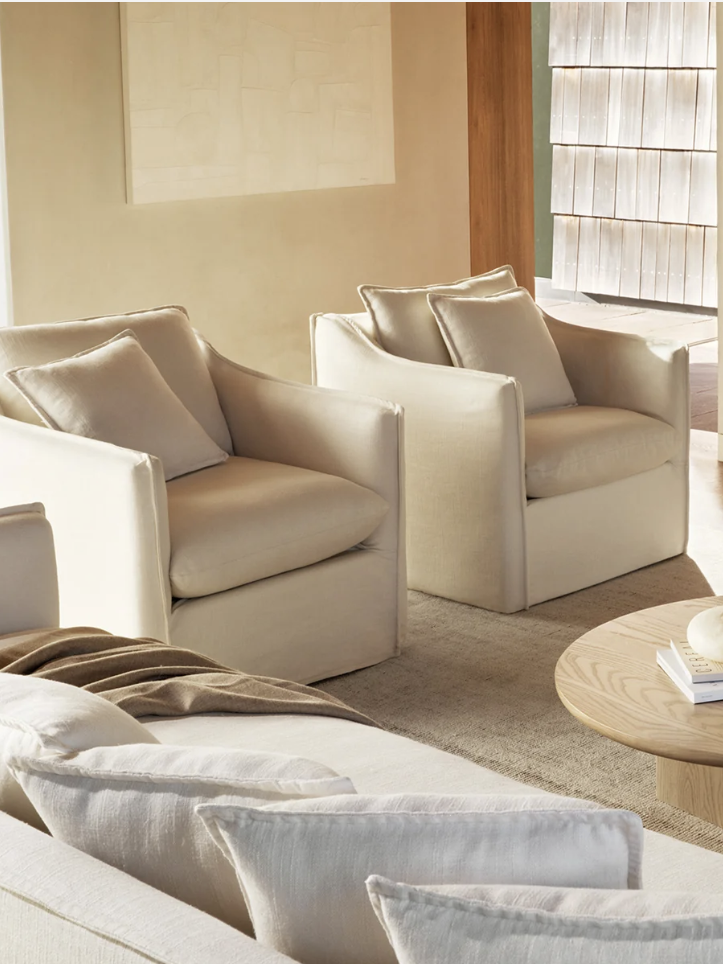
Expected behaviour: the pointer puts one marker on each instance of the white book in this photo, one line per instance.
(597, 28)
(564, 252)
(711, 36)
(611, 251)
(662, 260)
(654, 106)
(563, 34)
(703, 193)
(648, 187)
(606, 162)
(584, 32)
(694, 667)
(614, 34)
(675, 37)
(648, 260)
(594, 87)
(571, 105)
(614, 107)
(557, 105)
(563, 178)
(675, 186)
(626, 186)
(704, 110)
(695, 692)
(710, 268)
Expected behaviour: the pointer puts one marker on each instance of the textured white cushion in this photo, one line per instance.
(405, 325)
(536, 925)
(246, 520)
(133, 808)
(302, 866)
(115, 393)
(569, 449)
(41, 717)
(164, 333)
(505, 333)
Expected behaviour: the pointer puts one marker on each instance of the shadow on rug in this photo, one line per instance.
(481, 685)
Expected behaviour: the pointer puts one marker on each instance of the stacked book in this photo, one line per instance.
(698, 678)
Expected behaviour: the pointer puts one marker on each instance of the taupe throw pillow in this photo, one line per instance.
(115, 393)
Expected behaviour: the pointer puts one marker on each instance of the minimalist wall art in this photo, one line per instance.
(633, 124)
(254, 98)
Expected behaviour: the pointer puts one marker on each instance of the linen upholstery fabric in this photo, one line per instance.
(115, 393)
(60, 906)
(527, 925)
(472, 534)
(133, 808)
(44, 717)
(404, 323)
(311, 858)
(165, 334)
(28, 574)
(570, 449)
(505, 333)
(248, 519)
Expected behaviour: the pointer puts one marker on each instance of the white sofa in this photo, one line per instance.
(473, 533)
(125, 538)
(59, 906)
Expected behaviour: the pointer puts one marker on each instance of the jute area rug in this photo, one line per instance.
(481, 685)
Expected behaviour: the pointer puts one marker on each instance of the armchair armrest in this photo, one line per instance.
(28, 575)
(464, 453)
(611, 368)
(352, 437)
(107, 507)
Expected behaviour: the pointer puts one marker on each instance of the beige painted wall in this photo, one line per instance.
(249, 269)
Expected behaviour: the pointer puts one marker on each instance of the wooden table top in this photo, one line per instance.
(610, 681)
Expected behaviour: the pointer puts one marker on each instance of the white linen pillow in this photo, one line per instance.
(134, 807)
(404, 324)
(529, 925)
(41, 717)
(505, 333)
(115, 393)
(302, 866)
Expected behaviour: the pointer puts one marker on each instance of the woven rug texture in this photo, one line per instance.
(481, 685)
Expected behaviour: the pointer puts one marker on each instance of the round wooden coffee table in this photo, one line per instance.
(610, 681)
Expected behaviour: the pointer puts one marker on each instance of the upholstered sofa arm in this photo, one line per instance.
(611, 368)
(28, 575)
(464, 454)
(107, 507)
(58, 904)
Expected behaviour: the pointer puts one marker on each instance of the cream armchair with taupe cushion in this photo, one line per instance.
(506, 510)
(285, 558)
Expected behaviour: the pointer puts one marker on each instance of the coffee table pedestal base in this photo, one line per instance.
(691, 787)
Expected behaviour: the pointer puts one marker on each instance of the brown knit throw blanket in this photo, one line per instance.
(145, 677)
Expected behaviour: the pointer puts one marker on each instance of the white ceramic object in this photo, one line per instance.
(705, 633)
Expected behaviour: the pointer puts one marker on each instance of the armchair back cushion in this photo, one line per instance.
(164, 333)
(403, 321)
(115, 393)
(245, 520)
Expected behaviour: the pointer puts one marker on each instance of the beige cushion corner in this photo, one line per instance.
(115, 393)
(404, 324)
(519, 925)
(505, 333)
(579, 448)
(164, 333)
(247, 519)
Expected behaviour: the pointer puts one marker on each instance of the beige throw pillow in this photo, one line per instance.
(302, 866)
(530, 925)
(115, 393)
(134, 807)
(505, 333)
(42, 717)
(404, 324)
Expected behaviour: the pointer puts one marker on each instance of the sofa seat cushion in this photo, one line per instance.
(570, 449)
(244, 520)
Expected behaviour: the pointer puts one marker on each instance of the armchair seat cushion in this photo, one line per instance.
(569, 449)
(244, 520)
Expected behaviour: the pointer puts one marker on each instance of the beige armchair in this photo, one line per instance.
(505, 511)
(244, 561)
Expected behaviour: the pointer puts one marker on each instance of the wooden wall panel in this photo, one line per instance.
(635, 94)
(501, 172)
